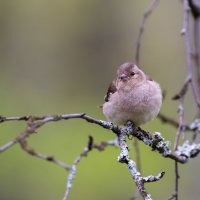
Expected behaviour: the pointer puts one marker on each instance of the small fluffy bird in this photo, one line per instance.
(132, 96)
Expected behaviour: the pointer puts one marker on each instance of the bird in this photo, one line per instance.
(132, 96)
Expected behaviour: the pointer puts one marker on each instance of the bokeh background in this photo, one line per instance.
(59, 57)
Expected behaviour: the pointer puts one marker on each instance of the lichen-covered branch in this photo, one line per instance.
(153, 140)
(136, 175)
(72, 173)
(91, 145)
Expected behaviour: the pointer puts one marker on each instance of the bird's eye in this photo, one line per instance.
(132, 73)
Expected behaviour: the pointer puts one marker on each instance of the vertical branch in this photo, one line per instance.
(124, 158)
(136, 175)
(195, 8)
(137, 58)
(73, 170)
(139, 165)
(175, 195)
(141, 30)
(180, 96)
(186, 32)
(181, 123)
(176, 180)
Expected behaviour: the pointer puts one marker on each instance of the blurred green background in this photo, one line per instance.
(59, 57)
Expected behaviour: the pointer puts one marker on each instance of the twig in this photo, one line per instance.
(180, 96)
(139, 165)
(168, 120)
(31, 128)
(175, 195)
(189, 50)
(178, 133)
(91, 145)
(193, 126)
(7, 145)
(72, 173)
(172, 197)
(183, 90)
(102, 145)
(141, 30)
(181, 123)
(195, 10)
(176, 180)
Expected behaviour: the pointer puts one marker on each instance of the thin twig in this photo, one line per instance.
(8, 145)
(139, 165)
(31, 128)
(102, 145)
(172, 197)
(91, 145)
(183, 90)
(195, 10)
(180, 96)
(168, 120)
(72, 173)
(181, 123)
(186, 32)
(176, 180)
(141, 30)
(175, 195)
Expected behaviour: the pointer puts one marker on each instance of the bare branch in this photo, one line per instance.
(91, 145)
(168, 120)
(176, 180)
(141, 30)
(8, 145)
(102, 145)
(175, 195)
(181, 124)
(72, 173)
(189, 50)
(183, 90)
(180, 96)
(139, 165)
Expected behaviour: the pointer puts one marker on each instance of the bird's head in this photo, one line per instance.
(129, 71)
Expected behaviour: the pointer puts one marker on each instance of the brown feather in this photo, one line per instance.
(111, 89)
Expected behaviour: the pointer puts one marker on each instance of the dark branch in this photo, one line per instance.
(183, 90)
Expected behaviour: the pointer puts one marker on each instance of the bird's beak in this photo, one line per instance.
(124, 77)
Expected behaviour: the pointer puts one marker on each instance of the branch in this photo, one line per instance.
(186, 32)
(168, 120)
(141, 30)
(138, 179)
(72, 173)
(91, 145)
(153, 140)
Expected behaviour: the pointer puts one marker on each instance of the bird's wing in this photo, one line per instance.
(111, 89)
